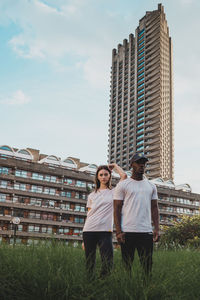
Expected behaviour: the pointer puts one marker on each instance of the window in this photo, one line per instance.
(141, 53)
(141, 74)
(140, 148)
(44, 229)
(83, 196)
(37, 176)
(77, 196)
(4, 170)
(139, 86)
(51, 203)
(82, 209)
(3, 183)
(38, 202)
(140, 102)
(141, 107)
(139, 143)
(140, 136)
(140, 70)
(140, 96)
(66, 194)
(77, 207)
(65, 206)
(140, 119)
(49, 191)
(20, 227)
(21, 173)
(37, 228)
(49, 230)
(2, 197)
(80, 183)
(141, 79)
(141, 58)
(53, 179)
(141, 32)
(141, 38)
(36, 189)
(30, 228)
(140, 130)
(142, 90)
(20, 186)
(141, 124)
(141, 113)
(141, 43)
(68, 181)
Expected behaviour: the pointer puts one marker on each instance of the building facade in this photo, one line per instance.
(49, 196)
(141, 99)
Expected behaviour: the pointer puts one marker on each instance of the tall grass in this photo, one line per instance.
(58, 272)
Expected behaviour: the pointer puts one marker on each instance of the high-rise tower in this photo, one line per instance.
(141, 101)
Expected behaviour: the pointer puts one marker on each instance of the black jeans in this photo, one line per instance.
(143, 242)
(103, 239)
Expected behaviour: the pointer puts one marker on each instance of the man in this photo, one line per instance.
(135, 207)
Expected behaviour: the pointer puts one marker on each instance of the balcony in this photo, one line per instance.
(155, 108)
(43, 222)
(152, 147)
(155, 134)
(152, 116)
(151, 141)
(154, 160)
(156, 127)
(152, 23)
(10, 233)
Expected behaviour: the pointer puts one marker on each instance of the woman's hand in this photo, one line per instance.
(83, 246)
(112, 166)
(118, 170)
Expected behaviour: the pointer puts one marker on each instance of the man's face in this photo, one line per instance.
(139, 165)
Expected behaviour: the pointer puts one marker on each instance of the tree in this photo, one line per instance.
(185, 232)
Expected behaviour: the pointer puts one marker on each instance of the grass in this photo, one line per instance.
(58, 272)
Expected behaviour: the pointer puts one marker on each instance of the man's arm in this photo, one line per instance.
(117, 220)
(155, 219)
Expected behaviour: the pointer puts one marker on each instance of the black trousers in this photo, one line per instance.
(143, 242)
(103, 240)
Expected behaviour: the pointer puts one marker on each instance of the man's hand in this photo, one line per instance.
(120, 237)
(156, 236)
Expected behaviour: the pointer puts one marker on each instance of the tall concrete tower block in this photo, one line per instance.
(141, 97)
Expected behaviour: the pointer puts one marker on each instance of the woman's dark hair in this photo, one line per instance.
(96, 180)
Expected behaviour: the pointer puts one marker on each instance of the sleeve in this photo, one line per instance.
(89, 201)
(154, 193)
(119, 191)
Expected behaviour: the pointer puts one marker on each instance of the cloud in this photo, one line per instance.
(52, 34)
(17, 98)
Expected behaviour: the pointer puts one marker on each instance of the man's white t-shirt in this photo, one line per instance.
(136, 210)
(100, 215)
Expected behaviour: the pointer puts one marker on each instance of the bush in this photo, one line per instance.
(185, 232)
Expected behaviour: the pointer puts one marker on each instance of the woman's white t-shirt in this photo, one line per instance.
(100, 215)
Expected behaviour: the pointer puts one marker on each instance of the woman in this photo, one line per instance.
(98, 227)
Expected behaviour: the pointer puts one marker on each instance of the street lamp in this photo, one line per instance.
(16, 222)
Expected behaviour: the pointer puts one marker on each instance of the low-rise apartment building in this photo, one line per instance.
(49, 196)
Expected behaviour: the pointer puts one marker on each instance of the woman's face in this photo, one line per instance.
(103, 176)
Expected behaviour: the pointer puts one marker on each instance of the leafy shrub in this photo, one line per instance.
(183, 233)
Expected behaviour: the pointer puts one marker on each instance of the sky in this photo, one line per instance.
(55, 59)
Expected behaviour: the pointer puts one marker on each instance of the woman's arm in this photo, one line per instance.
(119, 170)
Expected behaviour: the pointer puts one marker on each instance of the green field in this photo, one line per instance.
(58, 272)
